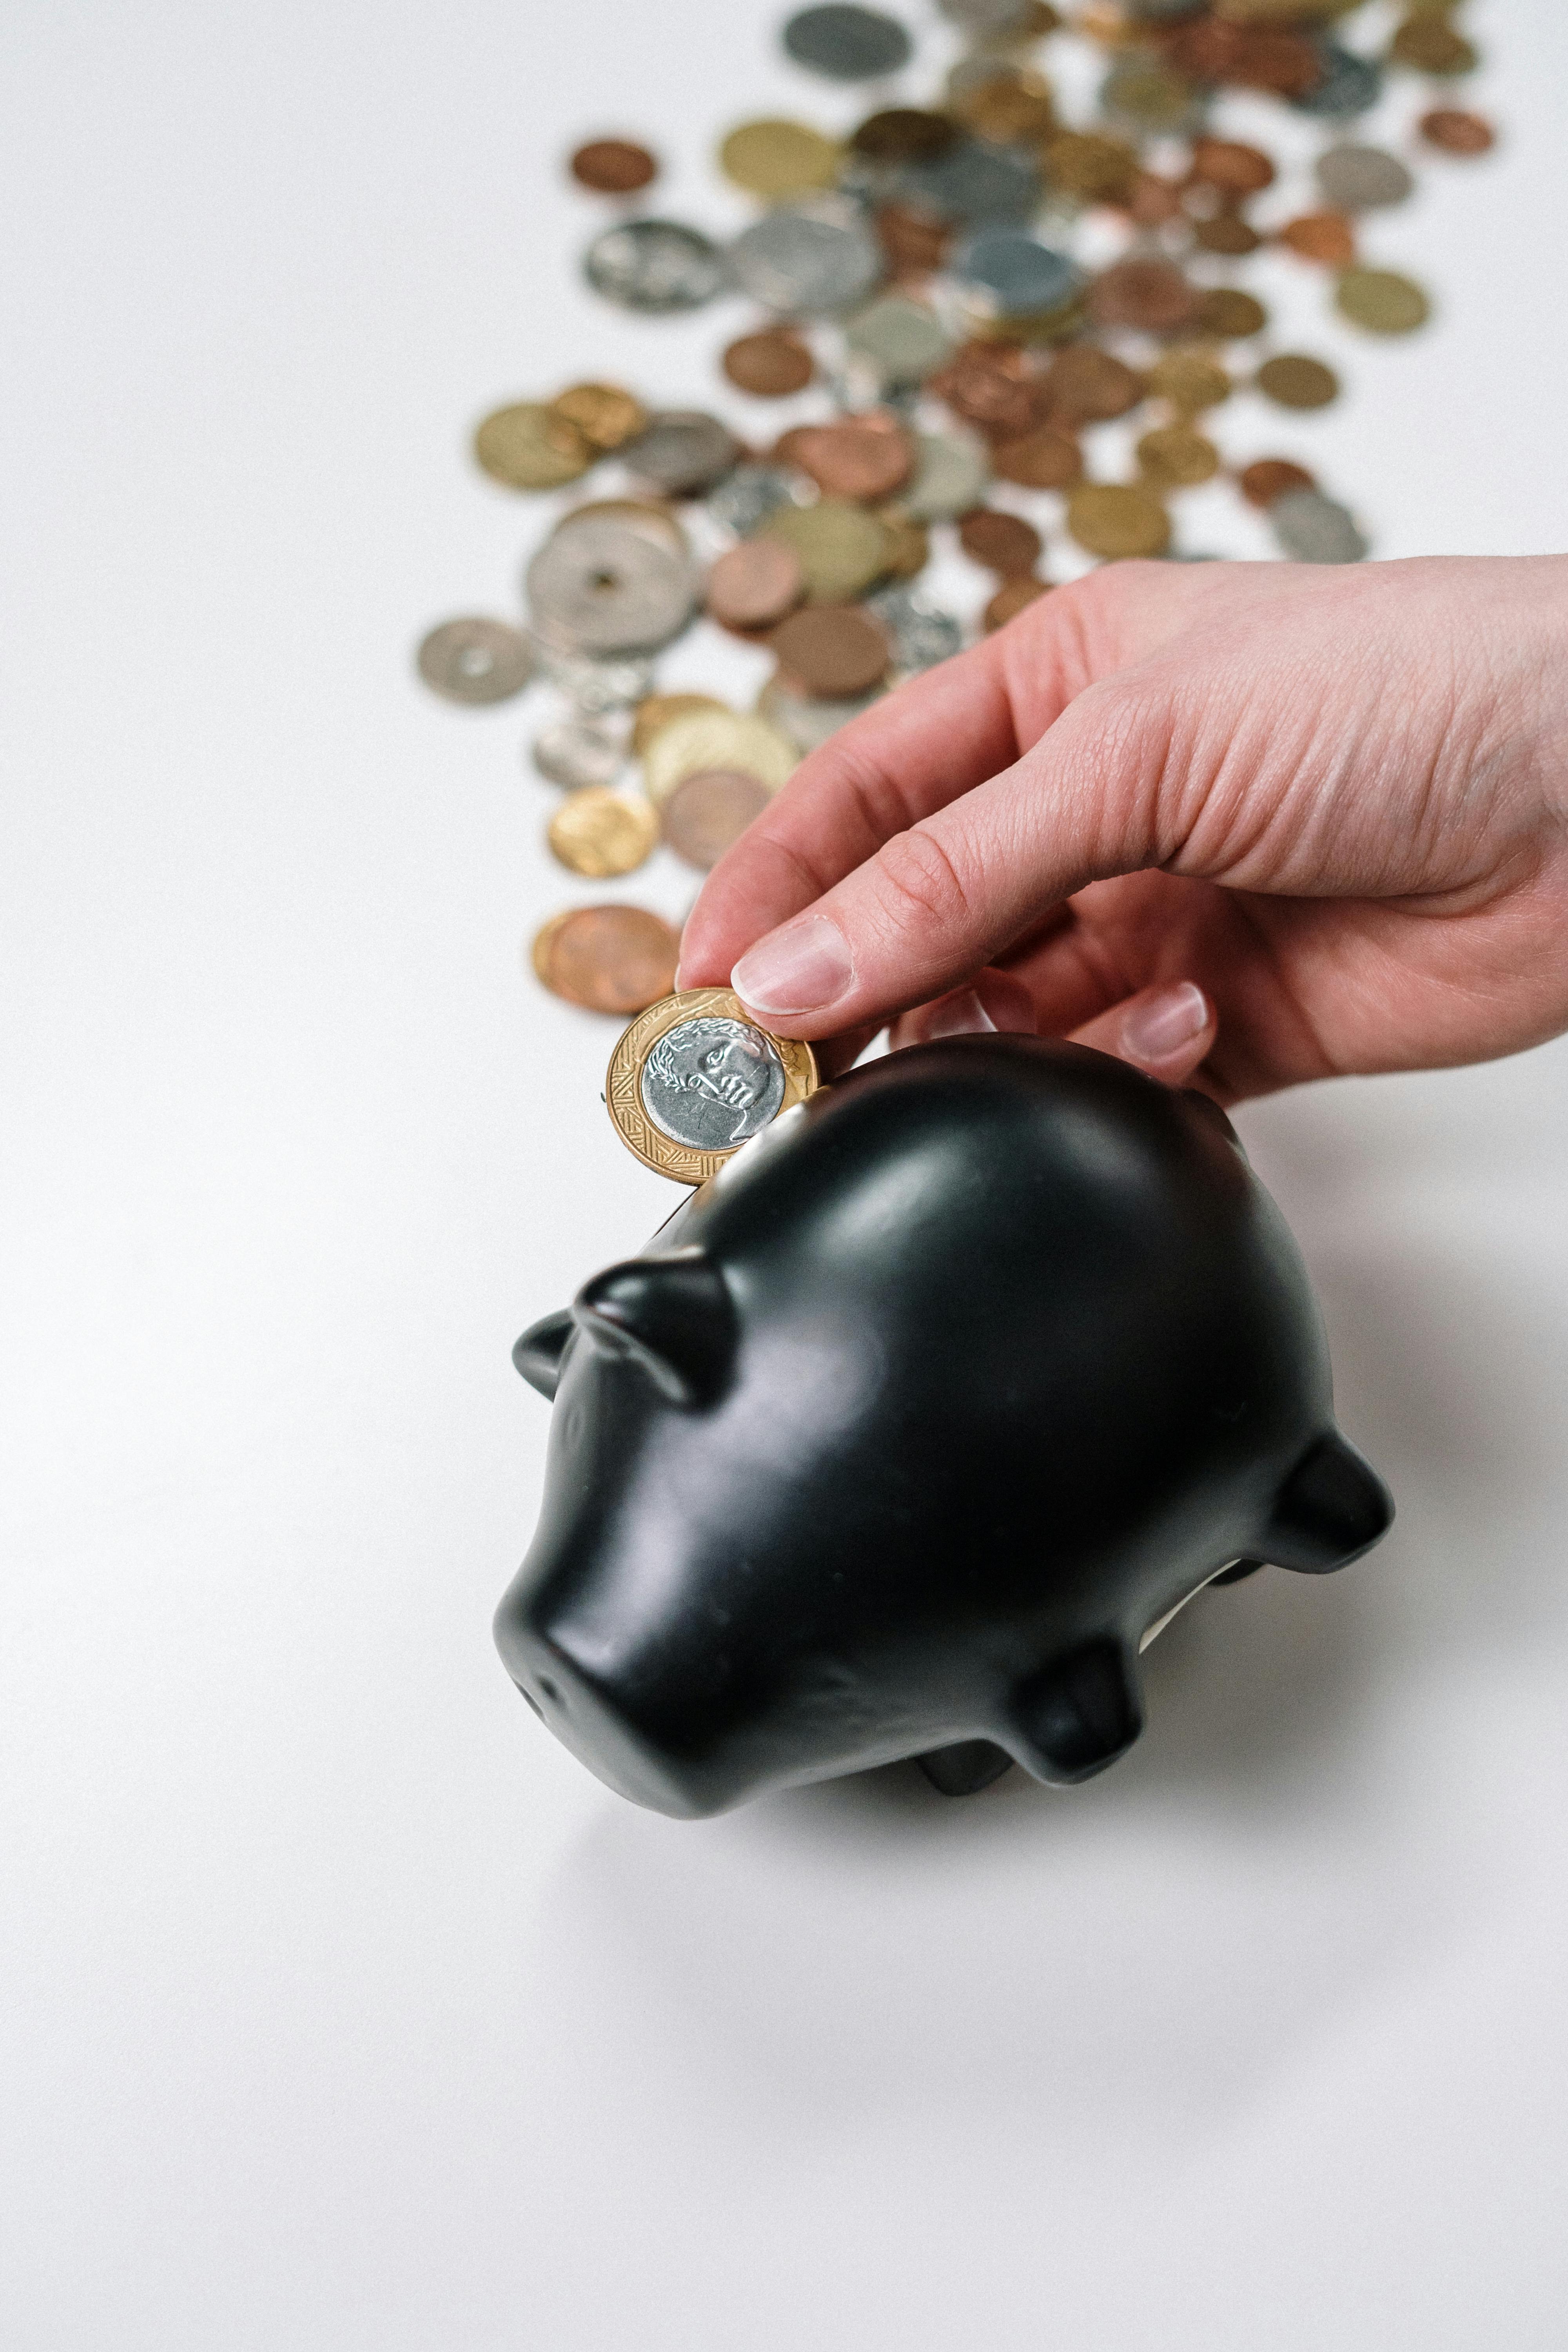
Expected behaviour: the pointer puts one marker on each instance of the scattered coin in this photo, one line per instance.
(1045, 459)
(1016, 275)
(1010, 600)
(842, 548)
(599, 832)
(1225, 312)
(847, 44)
(603, 414)
(771, 364)
(614, 167)
(1087, 385)
(1191, 381)
(1002, 542)
(1361, 179)
(833, 649)
(1293, 381)
(657, 711)
(705, 739)
(1092, 166)
(923, 633)
(1313, 529)
(1143, 96)
(595, 688)
(577, 752)
(745, 497)
(904, 339)
(861, 457)
(975, 184)
(774, 158)
(913, 243)
(707, 813)
(654, 265)
(908, 548)
(807, 259)
(476, 661)
(602, 585)
(755, 584)
(1319, 236)
(1454, 133)
(613, 958)
(1113, 519)
(1229, 165)
(903, 134)
(1150, 294)
(951, 471)
(528, 447)
(1174, 457)
(696, 1077)
(1267, 479)
(1350, 85)
(1383, 300)
(1432, 46)
(807, 720)
(682, 452)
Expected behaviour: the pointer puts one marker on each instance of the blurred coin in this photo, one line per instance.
(903, 340)
(913, 243)
(1191, 381)
(681, 451)
(1143, 96)
(1015, 273)
(908, 548)
(1382, 300)
(1228, 164)
(528, 447)
(1087, 385)
(658, 709)
(1011, 599)
(951, 471)
(975, 184)
(576, 752)
(600, 833)
(995, 385)
(774, 158)
(807, 720)
(808, 260)
(755, 584)
(651, 518)
(1267, 479)
(1044, 460)
(696, 1078)
(704, 740)
(1349, 85)
(745, 498)
(833, 649)
(1312, 528)
(1147, 293)
(1092, 166)
(1226, 233)
(654, 265)
(612, 959)
(476, 661)
(542, 944)
(1005, 106)
(1293, 381)
(1002, 542)
(921, 632)
(603, 414)
(770, 364)
(1319, 236)
(1117, 519)
(903, 134)
(981, 17)
(1226, 312)
(613, 167)
(1174, 457)
(595, 688)
(1432, 46)
(862, 457)
(847, 44)
(600, 586)
(707, 813)
(841, 547)
(1357, 179)
(1454, 133)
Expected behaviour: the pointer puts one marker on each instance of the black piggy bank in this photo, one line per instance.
(911, 1423)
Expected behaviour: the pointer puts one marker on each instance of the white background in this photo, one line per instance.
(341, 2008)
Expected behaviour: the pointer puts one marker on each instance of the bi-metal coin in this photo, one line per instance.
(695, 1077)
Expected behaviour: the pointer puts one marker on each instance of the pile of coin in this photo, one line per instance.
(967, 286)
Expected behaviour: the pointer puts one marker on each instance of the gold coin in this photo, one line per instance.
(1293, 381)
(1173, 457)
(909, 544)
(599, 832)
(1090, 164)
(777, 159)
(1010, 105)
(698, 1078)
(657, 711)
(1227, 313)
(1190, 380)
(1428, 42)
(602, 412)
(1383, 300)
(543, 940)
(1117, 519)
(716, 739)
(528, 447)
(842, 548)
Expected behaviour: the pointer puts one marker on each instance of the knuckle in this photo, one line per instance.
(919, 887)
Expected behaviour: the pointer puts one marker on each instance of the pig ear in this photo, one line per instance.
(672, 1314)
(1078, 1714)
(1331, 1508)
(538, 1353)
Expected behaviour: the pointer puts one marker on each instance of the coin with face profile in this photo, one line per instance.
(695, 1077)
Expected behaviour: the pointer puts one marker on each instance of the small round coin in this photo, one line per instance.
(654, 265)
(613, 958)
(1227, 164)
(755, 584)
(847, 44)
(1229, 315)
(1292, 381)
(1313, 529)
(903, 340)
(709, 812)
(696, 1078)
(1319, 236)
(769, 364)
(1190, 380)
(1045, 459)
(1454, 131)
(833, 649)
(576, 753)
(1088, 386)
(1002, 542)
(1175, 458)
(528, 447)
(1114, 519)
(702, 740)
(951, 471)
(1356, 178)
(1267, 479)
(1010, 600)
(603, 414)
(682, 452)
(475, 661)
(1149, 294)
(656, 710)
(774, 158)
(1382, 300)
(862, 457)
(809, 258)
(613, 167)
(842, 548)
(1432, 46)
(903, 134)
(599, 832)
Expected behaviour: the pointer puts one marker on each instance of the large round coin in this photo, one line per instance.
(807, 259)
(603, 585)
(696, 1078)
(654, 264)
(613, 958)
(476, 661)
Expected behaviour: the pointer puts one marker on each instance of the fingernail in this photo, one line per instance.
(798, 969)
(959, 1015)
(1161, 1025)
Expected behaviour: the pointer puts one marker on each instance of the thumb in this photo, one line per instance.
(955, 891)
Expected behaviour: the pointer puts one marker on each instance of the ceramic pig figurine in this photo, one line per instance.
(911, 1423)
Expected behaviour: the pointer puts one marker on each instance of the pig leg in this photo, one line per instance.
(965, 1768)
(1331, 1508)
(1078, 1714)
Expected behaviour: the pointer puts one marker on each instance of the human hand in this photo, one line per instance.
(1331, 800)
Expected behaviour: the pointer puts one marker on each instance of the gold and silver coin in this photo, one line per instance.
(695, 1077)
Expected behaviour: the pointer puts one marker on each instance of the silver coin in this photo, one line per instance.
(1360, 179)
(474, 660)
(575, 753)
(1313, 529)
(847, 44)
(808, 260)
(745, 498)
(654, 264)
(1351, 85)
(903, 340)
(923, 633)
(976, 183)
(712, 1083)
(595, 688)
(600, 586)
(987, 15)
(951, 471)
(1016, 273)
(808, 719)
(681, 451)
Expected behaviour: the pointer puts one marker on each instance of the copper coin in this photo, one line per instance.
(1230, 315)
(1226, 233)
(769, 363)
(1002, 542)
(1152, 201)
(994, 386)
(1293, 381)
(613, 167)
(1010, 599)
(913, 242)
(1226, 163)
(1088, 386)
(1319, 236)
(1267, 479)
(860, 457)
(708, 812)
(1149, 294)
(1454, 132)
(904, 135)
(833, 649)
(755, 584)
(611, 959)
(1044, 460)
(1213, 50)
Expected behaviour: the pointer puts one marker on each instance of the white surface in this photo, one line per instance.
(341, 2008)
